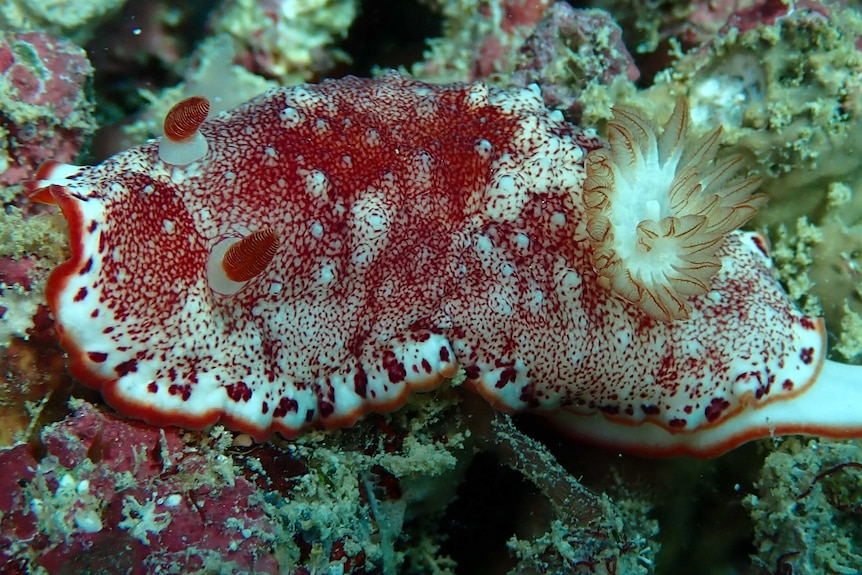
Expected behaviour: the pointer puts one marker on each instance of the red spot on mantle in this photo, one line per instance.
(507, 376)
(715, 408)
(394, 368)
(97, 356)
(126, 367)
(285, 405)
(238, 391)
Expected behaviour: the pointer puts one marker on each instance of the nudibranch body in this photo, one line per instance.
(333, 247)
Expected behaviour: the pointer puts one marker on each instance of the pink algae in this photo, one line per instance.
(104, 493)
(44, 105)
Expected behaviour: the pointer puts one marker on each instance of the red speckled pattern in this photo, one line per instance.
(424, 229)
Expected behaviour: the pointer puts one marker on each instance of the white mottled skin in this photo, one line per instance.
(424, 229)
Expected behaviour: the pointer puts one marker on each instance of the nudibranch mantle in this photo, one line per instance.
(398, 234)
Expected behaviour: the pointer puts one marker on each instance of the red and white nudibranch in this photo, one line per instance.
(333, 247)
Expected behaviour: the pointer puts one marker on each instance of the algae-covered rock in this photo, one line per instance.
(787, 94)
(74, 18)
(806, 512)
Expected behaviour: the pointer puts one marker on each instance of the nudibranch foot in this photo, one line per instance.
(49, 175)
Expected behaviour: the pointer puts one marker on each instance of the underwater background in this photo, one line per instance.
(445, 485)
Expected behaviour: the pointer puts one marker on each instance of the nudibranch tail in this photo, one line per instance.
(828, 407)
(183, 143)
(657, 209)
